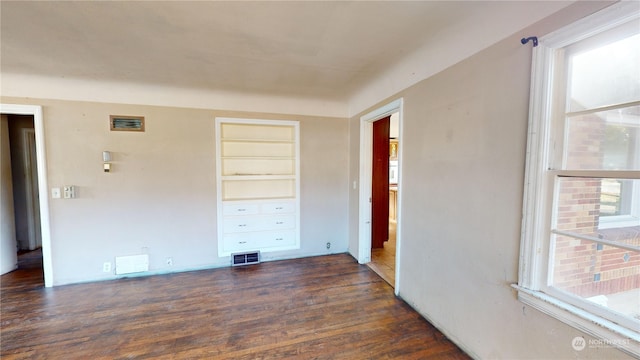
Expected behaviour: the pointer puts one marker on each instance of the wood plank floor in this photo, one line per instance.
(325, 307)
(383, 260)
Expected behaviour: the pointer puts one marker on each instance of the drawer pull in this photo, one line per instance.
(279, 222)
(242, 242)
(242, 225)
(279, 208)
(279, 239)
(241, 210)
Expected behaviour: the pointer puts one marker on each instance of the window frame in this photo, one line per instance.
(632, 218)
(540, 184)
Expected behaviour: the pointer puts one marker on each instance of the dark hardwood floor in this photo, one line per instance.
(325, 307)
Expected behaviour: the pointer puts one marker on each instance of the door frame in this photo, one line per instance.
(41, 162)
(364, 202)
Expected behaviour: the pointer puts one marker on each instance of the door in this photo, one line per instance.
(380, 184)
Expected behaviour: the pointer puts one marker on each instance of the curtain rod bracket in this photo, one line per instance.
(532, 38)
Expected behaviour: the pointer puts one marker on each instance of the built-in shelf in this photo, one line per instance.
(258, 175)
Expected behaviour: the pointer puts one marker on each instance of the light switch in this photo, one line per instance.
(55, 193)
(69, 192)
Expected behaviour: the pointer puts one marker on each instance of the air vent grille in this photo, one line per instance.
(246, 258)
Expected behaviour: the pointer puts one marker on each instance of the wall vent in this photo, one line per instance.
(246, 258)
(132, 264)
(126, 123)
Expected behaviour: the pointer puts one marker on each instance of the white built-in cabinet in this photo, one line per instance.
(258, 185)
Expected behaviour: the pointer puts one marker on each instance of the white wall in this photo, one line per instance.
(160, 197)
(8, 250)
(464, 140)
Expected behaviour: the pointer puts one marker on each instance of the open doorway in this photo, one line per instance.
(384, 197)
(22, 182)
(379, 235)
(24, 170)
(26, 216)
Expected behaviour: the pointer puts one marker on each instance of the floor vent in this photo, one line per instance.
(246, 258)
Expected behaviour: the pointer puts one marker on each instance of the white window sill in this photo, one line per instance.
(611, 334)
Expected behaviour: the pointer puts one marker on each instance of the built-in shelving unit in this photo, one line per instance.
(258, 172)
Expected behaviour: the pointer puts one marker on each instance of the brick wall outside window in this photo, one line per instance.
(584, 267)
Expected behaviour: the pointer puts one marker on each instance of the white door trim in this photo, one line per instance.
(364, 203)
(41, 159)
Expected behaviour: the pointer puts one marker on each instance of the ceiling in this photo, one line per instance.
(326, 50)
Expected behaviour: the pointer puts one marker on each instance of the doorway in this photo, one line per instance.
(381, 255)
(23, 127)
(24, 171)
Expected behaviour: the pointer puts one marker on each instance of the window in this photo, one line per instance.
(605, 74)
(580, 253)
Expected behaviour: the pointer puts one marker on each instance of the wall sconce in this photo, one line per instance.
(106, 157)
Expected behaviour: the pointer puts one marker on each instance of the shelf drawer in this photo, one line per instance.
(238, 224)
(259, 241)
(278, 222)
(240, 209)
(278, 208)
(276, 239)
(239, 242)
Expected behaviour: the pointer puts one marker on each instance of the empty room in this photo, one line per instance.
(320, 179)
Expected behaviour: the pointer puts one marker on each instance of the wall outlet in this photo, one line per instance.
(170, 261)
(106, 267)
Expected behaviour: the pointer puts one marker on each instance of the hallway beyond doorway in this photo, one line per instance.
(383, 260)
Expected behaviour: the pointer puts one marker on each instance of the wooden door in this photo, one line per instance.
(380, 184)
